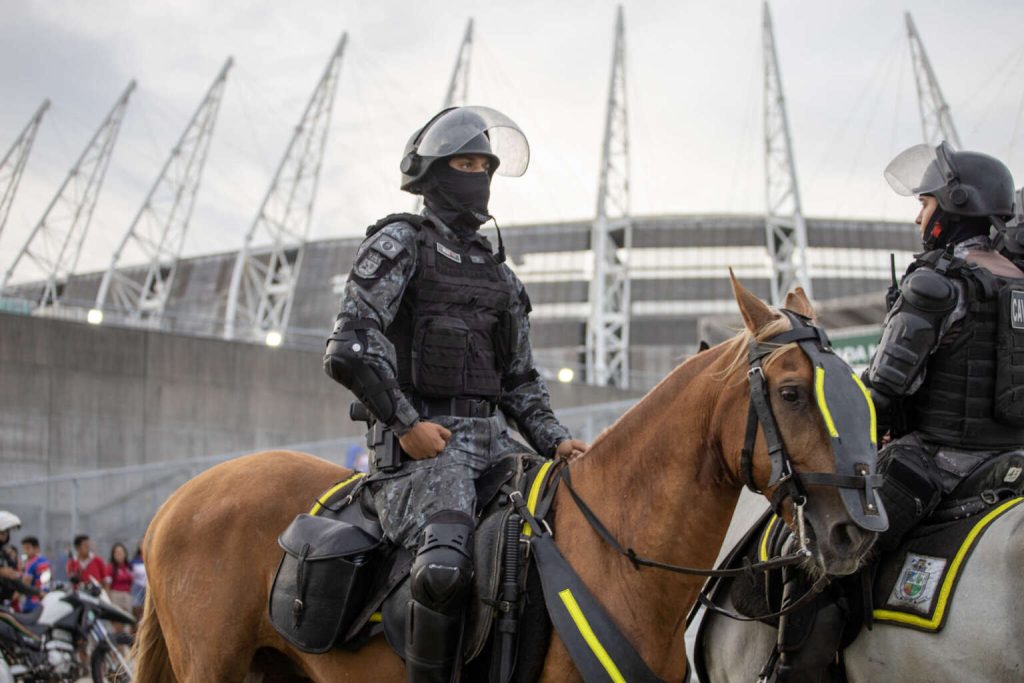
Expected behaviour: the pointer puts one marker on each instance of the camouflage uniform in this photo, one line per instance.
(405, 499)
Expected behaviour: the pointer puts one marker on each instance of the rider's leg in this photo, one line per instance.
(441, 578)
(809, 637)
(912, 488)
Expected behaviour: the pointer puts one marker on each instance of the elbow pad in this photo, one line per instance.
(345, 363)
(912, 331)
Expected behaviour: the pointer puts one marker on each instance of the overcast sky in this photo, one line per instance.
(695, 100)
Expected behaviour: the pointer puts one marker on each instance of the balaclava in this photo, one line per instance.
(457, 197)
(946, 229)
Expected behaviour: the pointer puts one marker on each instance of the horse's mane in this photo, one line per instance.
(742, 341)
(736, 354)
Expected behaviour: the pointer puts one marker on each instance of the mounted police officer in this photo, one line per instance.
(947, 380)
(433, 338)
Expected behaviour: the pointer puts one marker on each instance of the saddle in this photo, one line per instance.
(912, 586)
(340, 582)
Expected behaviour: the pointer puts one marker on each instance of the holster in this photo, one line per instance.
(386, 454)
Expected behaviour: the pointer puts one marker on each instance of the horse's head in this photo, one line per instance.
(809, 442)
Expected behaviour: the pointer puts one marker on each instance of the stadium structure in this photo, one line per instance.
(617, 299)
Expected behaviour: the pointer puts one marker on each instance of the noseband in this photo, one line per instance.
(815, 344)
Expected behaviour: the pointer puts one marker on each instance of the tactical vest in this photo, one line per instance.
(973, 392)
(453, 333)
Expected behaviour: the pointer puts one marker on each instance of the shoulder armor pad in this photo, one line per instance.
(926, 290)
(413, 219)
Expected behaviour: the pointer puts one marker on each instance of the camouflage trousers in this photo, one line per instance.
(407, 498)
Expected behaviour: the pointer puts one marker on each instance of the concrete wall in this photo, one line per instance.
(76, 397)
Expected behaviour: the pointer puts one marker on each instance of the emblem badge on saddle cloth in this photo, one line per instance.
(849, 415)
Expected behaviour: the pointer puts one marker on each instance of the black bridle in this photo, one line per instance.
(788, 483)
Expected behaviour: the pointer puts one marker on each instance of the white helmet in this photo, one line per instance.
(9, 521)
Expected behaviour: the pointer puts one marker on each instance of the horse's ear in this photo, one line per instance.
(798, 302)
(756, 313)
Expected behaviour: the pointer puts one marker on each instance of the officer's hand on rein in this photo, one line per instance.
(425, 440)
(571, 447)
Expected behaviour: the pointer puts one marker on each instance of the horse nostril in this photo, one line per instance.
(845, 537)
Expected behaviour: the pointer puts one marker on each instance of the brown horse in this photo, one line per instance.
(664, 479)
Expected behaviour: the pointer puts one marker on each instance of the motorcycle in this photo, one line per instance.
(63, 639)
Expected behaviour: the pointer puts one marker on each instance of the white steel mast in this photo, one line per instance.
(458, 85)
(160, 226)
(56, 242)
(936, 121)
(263, 281)
(13, 163)
(611, 237)
(785, 229)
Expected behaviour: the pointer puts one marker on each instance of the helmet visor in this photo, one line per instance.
(452, 130)
(915, 171)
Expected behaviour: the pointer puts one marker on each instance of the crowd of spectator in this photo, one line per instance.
(122, 577)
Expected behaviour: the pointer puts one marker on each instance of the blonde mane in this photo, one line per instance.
(741, 341)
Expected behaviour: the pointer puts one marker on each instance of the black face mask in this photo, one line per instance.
(458, 198)
(944, 229)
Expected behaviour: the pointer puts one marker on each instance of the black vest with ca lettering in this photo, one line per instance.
(452, 327)
(973, 392)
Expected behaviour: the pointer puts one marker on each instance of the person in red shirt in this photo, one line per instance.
(118, 581)
(85, 566)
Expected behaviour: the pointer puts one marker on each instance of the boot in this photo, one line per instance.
(809, 637)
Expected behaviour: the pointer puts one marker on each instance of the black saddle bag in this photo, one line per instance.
(322, 581)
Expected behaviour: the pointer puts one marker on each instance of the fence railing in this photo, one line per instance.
(116, 504)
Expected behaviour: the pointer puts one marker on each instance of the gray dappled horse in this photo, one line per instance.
(981, 641)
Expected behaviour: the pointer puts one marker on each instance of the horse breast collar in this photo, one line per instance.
(849, 415)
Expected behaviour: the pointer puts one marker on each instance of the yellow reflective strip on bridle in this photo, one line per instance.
(871, 406)
(588, 635)
(763, 553)
(322, 500)
(531, 501)
(819, 393)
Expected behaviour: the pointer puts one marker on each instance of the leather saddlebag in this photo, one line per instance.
(322, 581)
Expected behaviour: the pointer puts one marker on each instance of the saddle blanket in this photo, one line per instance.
(914, 586)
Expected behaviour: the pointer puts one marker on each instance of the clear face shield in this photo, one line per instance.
(921, 169)
(452, 130)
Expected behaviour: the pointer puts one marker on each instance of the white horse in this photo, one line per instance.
(982, 641)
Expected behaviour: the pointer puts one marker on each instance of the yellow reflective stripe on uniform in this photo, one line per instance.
(376, 618)
(531, 501)
(763, 552)
(322, 500)
(954, 569)
(819, 393)
(588, 635)
(871, 406)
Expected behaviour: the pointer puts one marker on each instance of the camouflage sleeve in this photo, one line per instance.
(383, 266)
(525, 399)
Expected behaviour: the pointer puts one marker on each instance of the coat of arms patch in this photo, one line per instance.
(918, 583)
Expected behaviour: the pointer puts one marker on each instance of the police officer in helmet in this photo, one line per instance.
(433, 338)
(944, 382)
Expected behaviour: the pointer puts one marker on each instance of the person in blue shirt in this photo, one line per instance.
(37, 571)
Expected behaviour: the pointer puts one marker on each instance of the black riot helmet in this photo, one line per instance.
(964, 183)
(465, 130)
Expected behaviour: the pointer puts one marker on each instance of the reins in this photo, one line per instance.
(789, 484)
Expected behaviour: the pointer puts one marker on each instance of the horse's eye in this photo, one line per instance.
(789, 394)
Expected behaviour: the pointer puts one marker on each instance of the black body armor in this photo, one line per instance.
(453, 330)
(973, 392)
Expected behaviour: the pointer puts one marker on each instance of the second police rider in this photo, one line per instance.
(433, 337)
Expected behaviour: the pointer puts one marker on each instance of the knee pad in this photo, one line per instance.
(442, 573)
